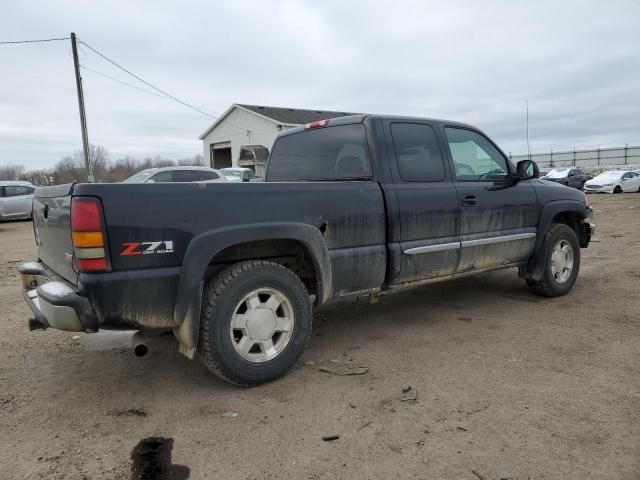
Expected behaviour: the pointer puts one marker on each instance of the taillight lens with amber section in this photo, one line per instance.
(88, 236)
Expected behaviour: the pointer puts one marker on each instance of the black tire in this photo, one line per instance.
(222, 295)
(618, 189)
(547, 286)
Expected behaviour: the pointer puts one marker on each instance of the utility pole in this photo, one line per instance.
(83, 118)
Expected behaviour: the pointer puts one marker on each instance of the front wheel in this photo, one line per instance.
(562, 262)
(618, 189)
(256, 319)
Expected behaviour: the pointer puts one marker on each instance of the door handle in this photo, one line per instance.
(469, 200)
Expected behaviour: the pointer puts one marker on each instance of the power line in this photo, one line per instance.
(34, 41)
(123, 82)
(145, 82)
(241, 129)
(164, 95)
(84, 67)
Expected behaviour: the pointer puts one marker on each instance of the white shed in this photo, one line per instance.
(244, 134)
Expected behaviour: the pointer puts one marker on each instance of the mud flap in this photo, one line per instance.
(534, 269)
(187, 332)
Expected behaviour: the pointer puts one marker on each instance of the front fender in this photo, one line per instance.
(535, 266)
(552, 209)
(207, 245)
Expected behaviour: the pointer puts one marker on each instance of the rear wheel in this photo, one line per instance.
(256, 319)
(562, 262)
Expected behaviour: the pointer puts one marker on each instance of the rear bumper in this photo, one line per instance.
(589, 189)
(129, 300)
(54, 302)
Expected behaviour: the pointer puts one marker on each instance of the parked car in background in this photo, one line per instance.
(570, 177)
(614, 181)
(238, 174)
(15, 199)
(177, 174)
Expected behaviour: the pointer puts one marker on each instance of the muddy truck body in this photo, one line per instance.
(350, 206)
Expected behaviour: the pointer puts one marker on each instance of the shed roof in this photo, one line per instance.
(284, 115)
(296, 116)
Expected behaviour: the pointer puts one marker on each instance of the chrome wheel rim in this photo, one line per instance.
(262, 325)
(561, 261)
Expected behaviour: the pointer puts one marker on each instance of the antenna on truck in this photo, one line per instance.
(528, 147)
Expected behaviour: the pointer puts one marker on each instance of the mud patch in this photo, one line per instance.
(151, 460)
(129, 412)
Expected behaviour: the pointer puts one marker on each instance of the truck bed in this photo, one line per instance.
(349, 214)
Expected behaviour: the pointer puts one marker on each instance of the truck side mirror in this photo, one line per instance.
(527, 169)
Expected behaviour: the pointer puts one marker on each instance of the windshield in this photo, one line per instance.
(140, 177)
(558, 173)
(609, 176)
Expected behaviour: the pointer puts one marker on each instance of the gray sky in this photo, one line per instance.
(578, 64)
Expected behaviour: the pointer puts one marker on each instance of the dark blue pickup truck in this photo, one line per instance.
(350, 206)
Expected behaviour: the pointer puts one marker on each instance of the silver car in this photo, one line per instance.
(15, 199)
(238, 174)
(177, 174)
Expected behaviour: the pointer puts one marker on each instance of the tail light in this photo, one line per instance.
(88, 236)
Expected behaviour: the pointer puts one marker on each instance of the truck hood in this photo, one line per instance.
(551, 191)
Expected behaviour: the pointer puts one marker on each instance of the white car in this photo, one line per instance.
(614, 181)
(15, 199)
(238, 174)
(177, 174)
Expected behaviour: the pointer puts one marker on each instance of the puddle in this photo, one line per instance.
(151, 460)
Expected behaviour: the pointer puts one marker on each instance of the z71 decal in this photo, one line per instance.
(146, 248)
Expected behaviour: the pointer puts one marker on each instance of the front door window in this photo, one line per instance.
(474, 157)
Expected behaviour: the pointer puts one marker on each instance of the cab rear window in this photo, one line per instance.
(330, 153)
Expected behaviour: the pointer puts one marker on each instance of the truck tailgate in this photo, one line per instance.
(52, 226)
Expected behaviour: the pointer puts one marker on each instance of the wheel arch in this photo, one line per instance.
(568, 212)
(204, 249)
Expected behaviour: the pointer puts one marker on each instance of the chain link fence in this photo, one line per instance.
(618, 156)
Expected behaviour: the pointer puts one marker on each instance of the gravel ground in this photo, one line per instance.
(503, 383)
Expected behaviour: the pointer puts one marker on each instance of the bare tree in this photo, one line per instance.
(196, 160)
(99, 158)
(71, 168)
(11, 171)
(38, 177)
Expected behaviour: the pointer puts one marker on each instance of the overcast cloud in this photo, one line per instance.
(577, 63)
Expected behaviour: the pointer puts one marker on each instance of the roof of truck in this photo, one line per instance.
(359, 118)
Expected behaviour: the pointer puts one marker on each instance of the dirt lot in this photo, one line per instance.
(509, 385)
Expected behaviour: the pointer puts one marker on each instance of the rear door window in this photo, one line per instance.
(162, 177)
(16, 191)
(329, 153)
(418, 153)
